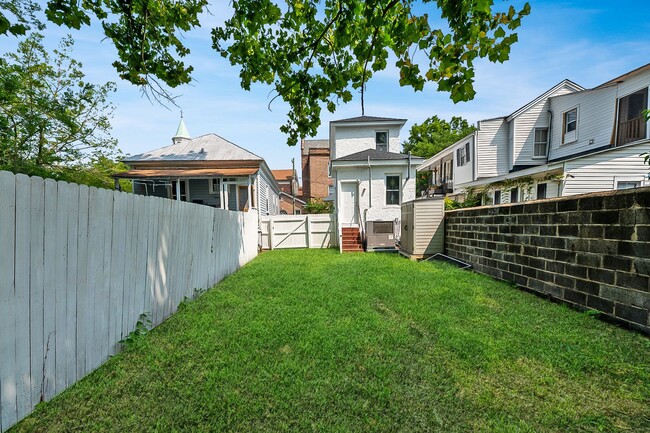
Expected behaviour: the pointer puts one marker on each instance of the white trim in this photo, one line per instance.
(571, 137)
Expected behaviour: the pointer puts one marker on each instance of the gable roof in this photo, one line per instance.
(208, 147)
(376, 155)
(283, 175)
(575, 87)
(359, 119)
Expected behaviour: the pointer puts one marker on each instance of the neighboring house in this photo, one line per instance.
(570, 140)
(290, 203)
(208, 170)
(315, 158)
(371, 178)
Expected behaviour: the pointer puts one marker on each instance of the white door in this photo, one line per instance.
(349, 204)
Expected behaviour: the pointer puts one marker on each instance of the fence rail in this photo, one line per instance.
(79, 265)
(298, 231)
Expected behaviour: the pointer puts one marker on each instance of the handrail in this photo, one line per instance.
(631, 130)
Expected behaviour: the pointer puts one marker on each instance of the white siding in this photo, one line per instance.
(596, 112)
(353, 139)
(374, 208)
(269, 196)
(599, 172)
(492, 148)
(524, 141)
(524, 129)
(464, 173)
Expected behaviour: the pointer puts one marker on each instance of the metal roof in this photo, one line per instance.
(193, 172)
(182, 131)
(208, 147)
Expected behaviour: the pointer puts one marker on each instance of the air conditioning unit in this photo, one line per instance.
(380, 235)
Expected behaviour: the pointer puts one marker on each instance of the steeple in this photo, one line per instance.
(181, 133)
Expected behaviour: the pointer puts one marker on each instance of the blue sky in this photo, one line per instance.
(588, 42)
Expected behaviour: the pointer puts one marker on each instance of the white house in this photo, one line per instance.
(569, 140)
(371, 178)
(207, 170)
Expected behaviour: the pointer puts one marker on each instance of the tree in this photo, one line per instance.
(313, 54)
(318, 206)
(435, 134)
(51, 120)
(317, 56)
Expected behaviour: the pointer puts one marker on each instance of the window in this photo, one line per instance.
(541, 191)
(570, 126)
(381, 141)
(392, 190)
(497, 197)
(627, 184)
(183, 190)
(214, 185)
(631, 123)
(462, 155)
(514, 195)
(541, 142)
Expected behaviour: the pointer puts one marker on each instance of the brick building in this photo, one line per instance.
(315, 156)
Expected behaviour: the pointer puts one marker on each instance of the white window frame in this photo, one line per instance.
(211, 185)
(377, 144)
(570, 136)
(545, 191)
(625, 179)
(399, 188)
(536, 143)
(618, 114)
(495, 197)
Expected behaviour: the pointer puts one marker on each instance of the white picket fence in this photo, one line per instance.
(298, 231)
(79, 265)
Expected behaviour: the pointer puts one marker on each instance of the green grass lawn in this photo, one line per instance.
(310, 340)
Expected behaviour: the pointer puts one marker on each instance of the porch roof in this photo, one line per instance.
(186, 172)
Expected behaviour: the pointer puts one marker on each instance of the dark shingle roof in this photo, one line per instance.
(368, 119)
(374, 155)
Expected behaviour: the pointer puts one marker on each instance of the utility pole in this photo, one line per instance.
(293, 180)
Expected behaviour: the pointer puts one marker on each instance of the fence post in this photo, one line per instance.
(271, 233)
(308, 225)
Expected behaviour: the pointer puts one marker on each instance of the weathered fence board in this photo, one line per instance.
(79, 265)
(298, 231)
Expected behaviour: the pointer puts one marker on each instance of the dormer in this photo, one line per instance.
(356, 134)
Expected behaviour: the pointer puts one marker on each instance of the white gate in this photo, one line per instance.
(298, 231)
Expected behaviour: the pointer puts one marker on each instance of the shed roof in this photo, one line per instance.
(208, 147)
(283, 175)
(374, 154)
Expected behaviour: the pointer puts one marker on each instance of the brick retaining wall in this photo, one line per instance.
(591, 251)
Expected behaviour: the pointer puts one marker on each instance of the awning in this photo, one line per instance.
(188, 172)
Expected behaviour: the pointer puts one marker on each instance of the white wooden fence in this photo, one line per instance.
(298, 231)
(79, 265)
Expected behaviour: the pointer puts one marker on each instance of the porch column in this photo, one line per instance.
(178, 190)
